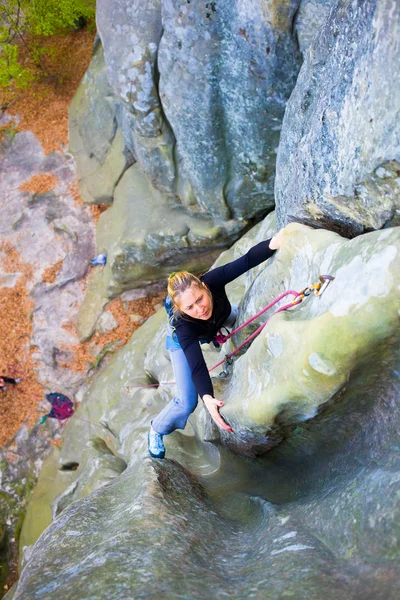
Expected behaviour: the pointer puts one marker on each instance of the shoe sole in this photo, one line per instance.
(151, 453)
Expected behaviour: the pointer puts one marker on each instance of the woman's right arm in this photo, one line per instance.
(227, 273)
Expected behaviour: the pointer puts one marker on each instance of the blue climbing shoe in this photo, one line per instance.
(156, 444)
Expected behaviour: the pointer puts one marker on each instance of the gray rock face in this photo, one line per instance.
(164, 533)
(46, 229)
(343, 122)
(308, 355)
(202, 90)
(94, 137)
(314, 512)
(310, 17)
(198, 92)
(106, 322)
(143, 234)
(226, 71)
(130, 33)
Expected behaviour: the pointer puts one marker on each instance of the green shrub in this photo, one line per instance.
(26, 23)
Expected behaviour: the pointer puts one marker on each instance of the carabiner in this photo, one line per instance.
(325, 281)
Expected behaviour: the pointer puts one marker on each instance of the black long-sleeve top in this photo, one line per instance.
(190, 331)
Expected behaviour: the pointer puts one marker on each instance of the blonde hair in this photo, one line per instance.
(181, 281)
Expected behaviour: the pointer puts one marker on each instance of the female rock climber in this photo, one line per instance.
(199, 308)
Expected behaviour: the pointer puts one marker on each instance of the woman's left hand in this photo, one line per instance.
(213, 405)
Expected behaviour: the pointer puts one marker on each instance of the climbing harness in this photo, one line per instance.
(100, 259)
(316, 288)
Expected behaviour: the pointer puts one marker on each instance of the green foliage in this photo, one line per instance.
(10, 69)
(26, 23)
(48, 17)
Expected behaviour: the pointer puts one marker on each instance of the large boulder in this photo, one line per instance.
(154, 531)
(202, 91)
(308, 355)
(339, 152)
(321, 379)
(226, 72)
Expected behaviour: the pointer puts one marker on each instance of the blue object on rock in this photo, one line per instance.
(100, 259)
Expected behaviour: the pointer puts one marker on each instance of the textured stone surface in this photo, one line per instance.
(39, 515)
(47, 229)
(307, 356)
(144, 236)
(226, 71)
(98, 467)
(94, 138)
(164, 533)
(130, 33)
(202, 89)
(343, 122)
(314, 512)
(310, 17)
(107, 322)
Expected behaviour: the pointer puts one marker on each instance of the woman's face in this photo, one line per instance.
(196, 303)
